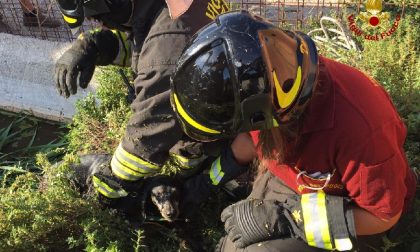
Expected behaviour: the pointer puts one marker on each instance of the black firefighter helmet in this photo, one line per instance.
(241, 73)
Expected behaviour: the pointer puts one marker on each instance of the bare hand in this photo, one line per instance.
(243, 149)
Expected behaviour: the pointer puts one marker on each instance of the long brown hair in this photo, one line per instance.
(278, 143)
(282, 143)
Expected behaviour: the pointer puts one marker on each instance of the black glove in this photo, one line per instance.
(253, 220)
(75, 67)
(198, 188)
(323, 221)
(77, 64)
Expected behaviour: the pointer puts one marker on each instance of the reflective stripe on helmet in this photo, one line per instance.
(69, 20)
(316, 221)
(189, 120)
(106, 190)
(129, 167)
(286, 98)
(216, 173)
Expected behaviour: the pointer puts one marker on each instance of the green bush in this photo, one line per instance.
(43, 212)
(100, 120)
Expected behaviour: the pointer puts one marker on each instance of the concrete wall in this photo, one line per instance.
(26, 78)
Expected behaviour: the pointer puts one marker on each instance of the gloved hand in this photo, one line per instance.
(254, 220)
(198, 188)
(322, 221)
(77, 64)
(75, 67)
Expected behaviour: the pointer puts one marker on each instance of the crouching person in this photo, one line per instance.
(333, 173)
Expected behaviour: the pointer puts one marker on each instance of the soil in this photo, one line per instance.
(46, 132)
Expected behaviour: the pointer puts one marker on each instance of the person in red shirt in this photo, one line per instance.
(332, 173)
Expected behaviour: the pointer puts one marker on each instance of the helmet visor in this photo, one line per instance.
(204, 90)
(285, 76)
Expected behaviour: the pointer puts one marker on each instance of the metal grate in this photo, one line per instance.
(292, 14)
(11, 14)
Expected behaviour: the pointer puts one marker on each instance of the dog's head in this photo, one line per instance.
(165, 195)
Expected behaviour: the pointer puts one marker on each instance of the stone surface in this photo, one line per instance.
(26, 78)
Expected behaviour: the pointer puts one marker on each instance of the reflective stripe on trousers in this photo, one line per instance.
(129, 167)
(103, 188)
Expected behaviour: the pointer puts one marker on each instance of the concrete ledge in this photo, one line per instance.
(26, 78)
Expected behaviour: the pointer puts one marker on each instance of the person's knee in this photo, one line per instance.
(277, 245)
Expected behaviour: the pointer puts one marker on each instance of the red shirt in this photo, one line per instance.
(351, 131)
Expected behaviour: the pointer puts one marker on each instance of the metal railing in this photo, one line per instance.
(12, 20)
(292, 14)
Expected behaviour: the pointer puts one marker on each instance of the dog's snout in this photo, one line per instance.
(165, 197)
(171, 214)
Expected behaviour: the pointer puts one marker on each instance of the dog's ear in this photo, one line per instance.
(176, 193)
(145, 193)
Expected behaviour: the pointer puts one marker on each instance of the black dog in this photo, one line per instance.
(161, 198)
(162, 212)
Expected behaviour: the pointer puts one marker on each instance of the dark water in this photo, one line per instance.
(27, 135)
